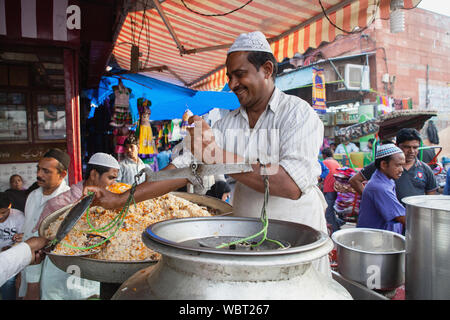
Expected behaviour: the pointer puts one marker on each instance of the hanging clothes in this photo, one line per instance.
(120, 135)
(176, 130)
(147, 148)
(166, 133)
(122, 115)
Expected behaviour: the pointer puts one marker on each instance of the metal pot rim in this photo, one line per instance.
(335, 238)
(148, 233)
(418, 201)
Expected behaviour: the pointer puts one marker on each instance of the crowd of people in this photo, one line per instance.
(22, 211)
(395, 174)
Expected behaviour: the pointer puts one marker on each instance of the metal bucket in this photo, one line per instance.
(372, 257)
(427, 247)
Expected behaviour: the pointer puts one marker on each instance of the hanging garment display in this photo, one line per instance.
(147, 148)
(120, 135)
(402, 104)
(167, 133)
(122, 115)
(159, 140)
(176, 130)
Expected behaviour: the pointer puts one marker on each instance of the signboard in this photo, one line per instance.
(318, 90)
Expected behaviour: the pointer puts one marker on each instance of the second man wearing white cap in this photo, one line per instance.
(102, 170)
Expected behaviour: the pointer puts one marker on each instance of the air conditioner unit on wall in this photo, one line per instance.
(356, 77)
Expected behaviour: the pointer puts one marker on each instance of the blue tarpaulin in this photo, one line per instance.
(169, 101)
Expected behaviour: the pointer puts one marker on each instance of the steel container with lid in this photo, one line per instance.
(191, 267)
(427, 247)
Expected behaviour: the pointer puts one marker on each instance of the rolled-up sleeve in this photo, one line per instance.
(300, 141)
(13, 260)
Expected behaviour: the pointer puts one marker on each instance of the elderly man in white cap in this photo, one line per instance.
(380, 208)
(102, 170)
(273, 129)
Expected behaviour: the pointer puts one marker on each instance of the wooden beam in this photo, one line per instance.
(168, 26)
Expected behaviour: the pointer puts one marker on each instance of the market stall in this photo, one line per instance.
(204, 252)
(154, 111)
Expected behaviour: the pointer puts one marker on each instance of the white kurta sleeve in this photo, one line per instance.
(13, 260)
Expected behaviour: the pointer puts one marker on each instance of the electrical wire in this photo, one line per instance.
(345, 31)
(142, 26)
(215, 14)
(146, 21)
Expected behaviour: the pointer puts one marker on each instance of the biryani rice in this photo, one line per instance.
(126, 244)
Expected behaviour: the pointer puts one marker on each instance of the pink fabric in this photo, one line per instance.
(119, 144)
(121, 139)
(120, 149)
(328, 183)
(60, 201)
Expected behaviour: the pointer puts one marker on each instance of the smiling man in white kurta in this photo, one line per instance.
(279, 130)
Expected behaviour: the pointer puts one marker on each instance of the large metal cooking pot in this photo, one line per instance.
(427, 247)
(372, 257)
(190, 268)
(109, 271)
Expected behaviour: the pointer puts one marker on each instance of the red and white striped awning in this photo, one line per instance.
(183, 47)
(38, 19)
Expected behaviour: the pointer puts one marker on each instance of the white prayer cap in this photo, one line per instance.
(387, 150)
(105, 160)
(252, 41)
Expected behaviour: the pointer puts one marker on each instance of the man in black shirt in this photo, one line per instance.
(417, 177)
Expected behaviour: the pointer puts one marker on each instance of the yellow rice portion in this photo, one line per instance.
(126, 245)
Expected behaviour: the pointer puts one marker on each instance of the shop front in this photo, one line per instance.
(38, 108)
(49, 50)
